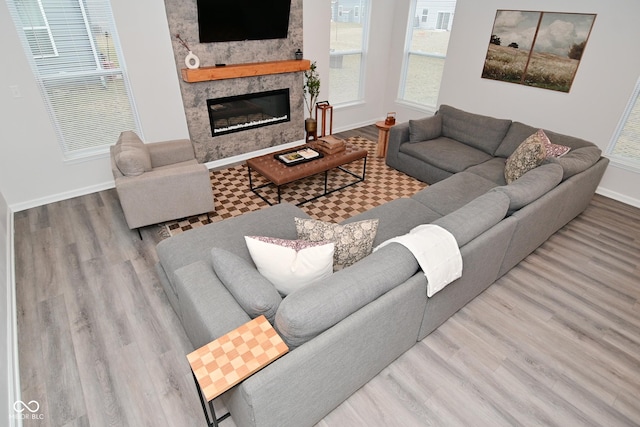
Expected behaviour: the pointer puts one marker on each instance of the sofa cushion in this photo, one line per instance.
(396, 217)
(310, 311)
(529, 155)
(493, 170)
(446, 154)
(353, 241)
(482, 132)
(425, 129)
(454, 192)
(532, 185)
(578, 160)
(475, 217)
(291, 264)
(131, 155)
(569, 141)
(255, 294)
(517, 133)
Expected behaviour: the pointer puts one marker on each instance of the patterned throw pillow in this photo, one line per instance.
(353, 241)
(290, 264)
(553, 150)
(529, 155)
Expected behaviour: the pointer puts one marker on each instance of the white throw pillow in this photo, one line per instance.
(291, 264)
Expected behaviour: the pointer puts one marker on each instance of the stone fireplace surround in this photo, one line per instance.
(182, 19)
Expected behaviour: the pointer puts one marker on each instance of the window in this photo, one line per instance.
(75, 56)
(36, 29)
(425, 52)
(349, 28)
(625, 144)
(444, 20)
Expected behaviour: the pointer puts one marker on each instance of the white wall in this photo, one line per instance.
(31, 166)
(315, 35)
(605, 79)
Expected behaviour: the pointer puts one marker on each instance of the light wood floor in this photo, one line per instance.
(555, 342)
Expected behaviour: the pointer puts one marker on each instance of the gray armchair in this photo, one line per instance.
(160, 181)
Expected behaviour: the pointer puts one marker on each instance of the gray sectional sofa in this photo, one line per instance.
(344, 329)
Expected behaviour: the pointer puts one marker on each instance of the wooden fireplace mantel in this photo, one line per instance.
(205, 74)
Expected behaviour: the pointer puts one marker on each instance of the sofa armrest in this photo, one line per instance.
(163, 180)
(207, 309)
(161, 195)
(170, 152)
(398, 135)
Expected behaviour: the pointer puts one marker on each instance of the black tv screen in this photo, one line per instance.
(234, 20)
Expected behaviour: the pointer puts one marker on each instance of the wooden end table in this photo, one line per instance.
(232, 358)
(279, 174)
(383, 138)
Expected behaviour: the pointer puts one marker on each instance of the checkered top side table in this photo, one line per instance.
(233, 357)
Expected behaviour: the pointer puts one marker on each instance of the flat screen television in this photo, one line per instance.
(235, 20)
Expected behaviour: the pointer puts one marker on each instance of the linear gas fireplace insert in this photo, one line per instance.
(253, 110)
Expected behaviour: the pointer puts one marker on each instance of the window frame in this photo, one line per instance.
(424, 15)
(402, 86)
(624, 161)
(364, 18)
(441, 19)
(75, 72)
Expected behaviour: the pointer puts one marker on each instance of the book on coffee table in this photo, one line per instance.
(330, 144)
(298, 156)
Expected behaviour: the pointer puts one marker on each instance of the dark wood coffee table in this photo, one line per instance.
(278, 174)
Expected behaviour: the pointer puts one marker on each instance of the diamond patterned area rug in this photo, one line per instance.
(233, 196)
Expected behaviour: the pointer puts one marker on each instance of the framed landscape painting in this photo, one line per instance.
(539, 49)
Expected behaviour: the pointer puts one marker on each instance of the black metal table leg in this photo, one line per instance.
(213, 421)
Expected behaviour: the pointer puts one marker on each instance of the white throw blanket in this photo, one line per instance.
(437, 252)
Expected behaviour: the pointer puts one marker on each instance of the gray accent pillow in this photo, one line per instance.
(425, 129)
(532, 185)
(131, 155)
(353, 241)
(253, 292)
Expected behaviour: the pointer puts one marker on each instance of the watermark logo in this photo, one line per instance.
(27, 411)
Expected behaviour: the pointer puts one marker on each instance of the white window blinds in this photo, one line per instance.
(75, 56)
(625, 145)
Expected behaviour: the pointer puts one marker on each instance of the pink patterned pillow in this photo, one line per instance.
(553, 150)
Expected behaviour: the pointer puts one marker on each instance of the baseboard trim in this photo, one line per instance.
(17, 207)
(619, 197)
